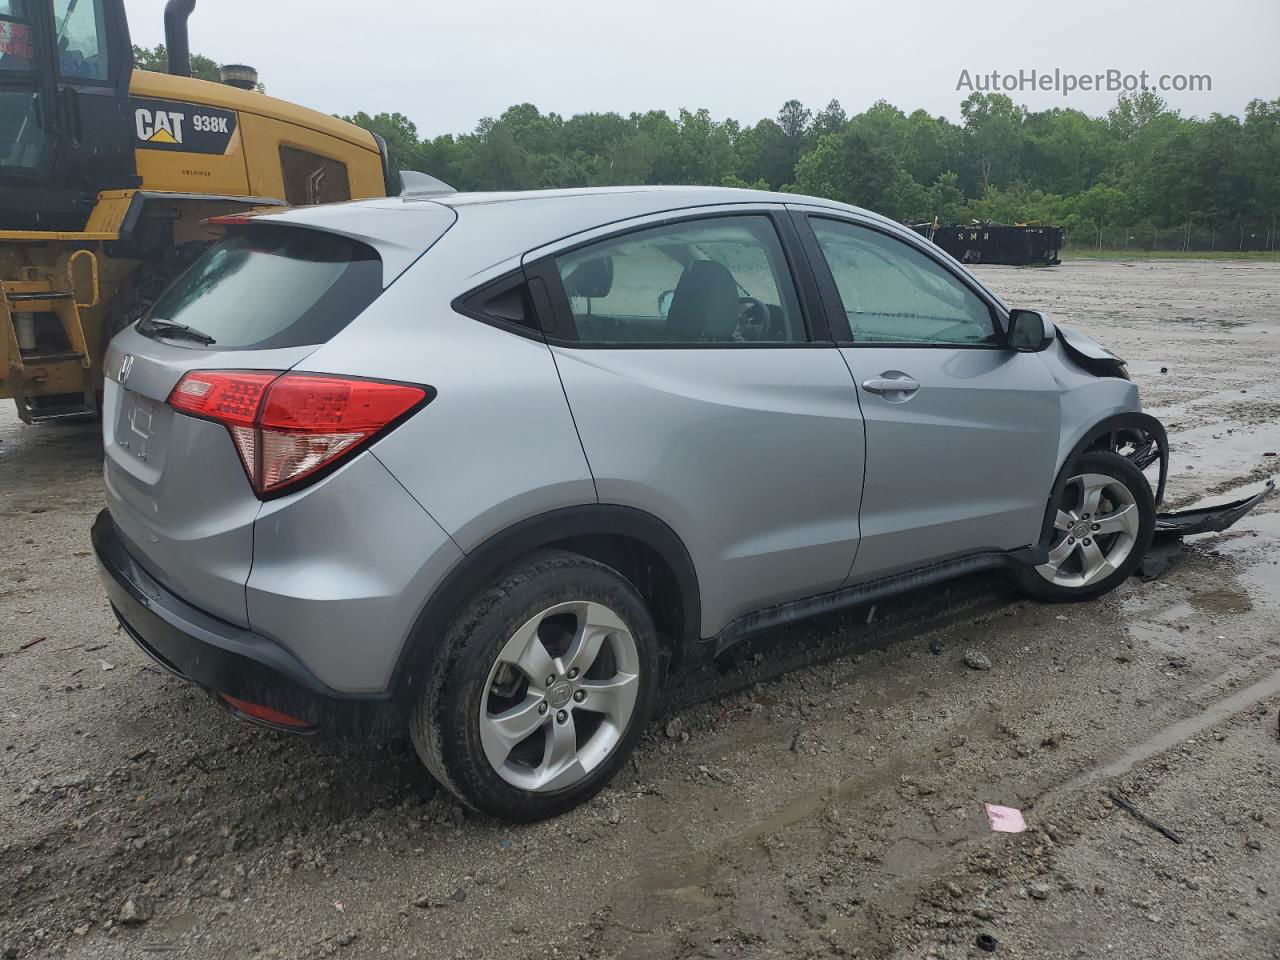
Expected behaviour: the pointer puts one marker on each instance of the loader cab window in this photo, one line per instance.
(22, 139)
(81, 37)
(17, 50)
(310, 178)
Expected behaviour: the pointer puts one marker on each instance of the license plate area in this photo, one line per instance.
(139, 427)
(140, 416)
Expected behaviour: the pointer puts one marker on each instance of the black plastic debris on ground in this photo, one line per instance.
(1172, 527)
(1186, 523)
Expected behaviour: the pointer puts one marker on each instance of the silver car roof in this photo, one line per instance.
(512, 223)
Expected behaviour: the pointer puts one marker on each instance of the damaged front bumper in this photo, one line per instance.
(1185, 523)
(1144, 444)
(1172, 527)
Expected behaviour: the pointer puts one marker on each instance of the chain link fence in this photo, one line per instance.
(1225, 238)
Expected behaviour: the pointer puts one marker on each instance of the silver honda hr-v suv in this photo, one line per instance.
(486, 466)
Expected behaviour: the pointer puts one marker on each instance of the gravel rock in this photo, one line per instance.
(135, 911)
(976, 660)
(1039, 891)
(674, 728)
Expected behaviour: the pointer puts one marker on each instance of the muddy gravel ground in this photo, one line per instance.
(820, 795)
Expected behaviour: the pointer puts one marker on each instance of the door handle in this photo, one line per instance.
(890, 385)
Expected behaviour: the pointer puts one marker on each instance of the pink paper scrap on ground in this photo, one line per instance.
(1005, 819)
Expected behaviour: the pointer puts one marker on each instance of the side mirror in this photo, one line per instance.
(1028, 331)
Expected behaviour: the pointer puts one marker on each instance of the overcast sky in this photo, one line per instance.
(446, 65)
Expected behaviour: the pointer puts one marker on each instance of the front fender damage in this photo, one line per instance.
(1142, 440)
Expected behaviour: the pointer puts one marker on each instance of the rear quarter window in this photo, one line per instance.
(263, 287)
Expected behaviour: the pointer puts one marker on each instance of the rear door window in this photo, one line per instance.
(721, 280)
(264, 287)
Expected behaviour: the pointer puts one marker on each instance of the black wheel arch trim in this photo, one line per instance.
(543, 530)
(1108, 426)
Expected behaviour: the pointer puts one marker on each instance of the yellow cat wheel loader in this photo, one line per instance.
(107, 173)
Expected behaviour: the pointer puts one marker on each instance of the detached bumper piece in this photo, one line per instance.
(253, 677)
(1186, 523)
(1172, 527)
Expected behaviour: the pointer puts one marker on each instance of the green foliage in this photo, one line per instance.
(157, 59)
(1142, 174)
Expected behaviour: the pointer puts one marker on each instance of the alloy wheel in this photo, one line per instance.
(559, 696)
(1095, 530)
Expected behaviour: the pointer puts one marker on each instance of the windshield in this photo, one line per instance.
(268, 286)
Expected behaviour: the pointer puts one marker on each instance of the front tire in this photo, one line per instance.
(544, 684)
(1104, 519)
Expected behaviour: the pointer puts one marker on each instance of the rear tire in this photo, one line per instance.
(1104, 519)
(543, 685)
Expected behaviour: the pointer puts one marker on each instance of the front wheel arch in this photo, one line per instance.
(1105, 435)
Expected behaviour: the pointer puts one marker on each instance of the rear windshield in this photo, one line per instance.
(268, 286)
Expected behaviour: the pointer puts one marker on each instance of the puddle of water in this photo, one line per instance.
(1222, 600)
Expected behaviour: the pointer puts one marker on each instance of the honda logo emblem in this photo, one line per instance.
(126, 367)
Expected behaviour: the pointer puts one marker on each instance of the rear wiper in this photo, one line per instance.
(167, 328)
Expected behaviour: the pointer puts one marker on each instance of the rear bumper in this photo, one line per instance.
(226, 659)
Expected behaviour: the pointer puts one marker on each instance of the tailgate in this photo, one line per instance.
(175, 485)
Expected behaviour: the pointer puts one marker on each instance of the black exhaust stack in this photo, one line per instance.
(176, 42)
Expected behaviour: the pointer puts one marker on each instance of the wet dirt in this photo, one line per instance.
(823, 796)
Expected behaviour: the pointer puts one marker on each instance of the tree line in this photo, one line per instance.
(1143, 175)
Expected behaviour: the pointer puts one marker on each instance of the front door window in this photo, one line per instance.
(893, 293)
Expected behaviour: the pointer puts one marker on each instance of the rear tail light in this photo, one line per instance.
(290, 427)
